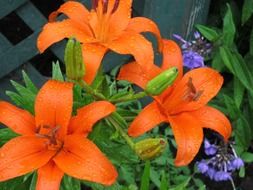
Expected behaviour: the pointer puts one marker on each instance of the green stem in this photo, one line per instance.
(130, 97)
(118, 128)
(232, 183)
(115, 117)
(89, 90)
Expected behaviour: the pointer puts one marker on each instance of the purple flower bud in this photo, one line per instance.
(210, 173)
(211, 150)
(222, 176)
(179, 38)
(237, 163)
(202, 167)
(196, 35)
(192, 59)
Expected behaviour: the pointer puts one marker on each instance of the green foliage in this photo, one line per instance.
(25, 95)
(228, 28)
(70, 183)
(247, 10)
(5, 135)
(208, 33)
(56, 72)
(145, 177)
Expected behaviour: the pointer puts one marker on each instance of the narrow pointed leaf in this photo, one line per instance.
(57, 74)
(228, 28)
(145, 177)
(208, 33)
(247, 10)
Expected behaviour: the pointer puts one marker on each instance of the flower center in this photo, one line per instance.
(191, 93)
(50, 133)
(104, 11)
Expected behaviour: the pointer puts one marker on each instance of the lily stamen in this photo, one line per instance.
(51, 136)
(192, 94)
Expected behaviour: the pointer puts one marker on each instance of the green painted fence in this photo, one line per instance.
(172, 16)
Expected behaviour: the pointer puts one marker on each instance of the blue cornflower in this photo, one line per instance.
(194, 51)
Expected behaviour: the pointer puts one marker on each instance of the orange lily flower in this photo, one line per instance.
(183, 105)
(107, 26)
(52, 141)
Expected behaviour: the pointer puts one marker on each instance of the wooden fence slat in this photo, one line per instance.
(31, 16)
(7, 6)
(19, 54)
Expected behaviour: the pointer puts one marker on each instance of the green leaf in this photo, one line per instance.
(242, 172)
(27, 97)
(145, 177)
(183, 185)
(247, 10)
(231, 107)
(16, 98)
(207, 32)
(101, 135)
(6, 134)
(33, 182)
(95, 186)
(217, 62)
(237, 66)
(164, 182)
(247, 157)
(56, 73)
(228, 28)
(29, 84)
(239, 90)
(18, 183)
(251, 41)
(70, 183)
(242, 133)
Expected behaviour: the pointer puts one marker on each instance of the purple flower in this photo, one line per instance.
(210, 149)
(197, 35)
(192, 59)
(222, 176)
(202, 167)
(210, 173)
(194, 51)
(237, 163)
(221, 163)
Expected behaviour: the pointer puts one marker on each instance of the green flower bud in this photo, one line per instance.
(75, 68)
(150, 148)
(158, 84)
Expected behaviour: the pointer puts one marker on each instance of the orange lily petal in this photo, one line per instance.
(188, 134)
(206, 81)
(82, 159)
(172, 57)
(214, 119)
(53, 106)
(149, 117)
(74, 10)
(142, 24)
(22, 155)
(49, 177)
(120, 18)
(57, 31)
(89, 115)
(92, 56)
(137, 74)
(136, 45)
(20, 121)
